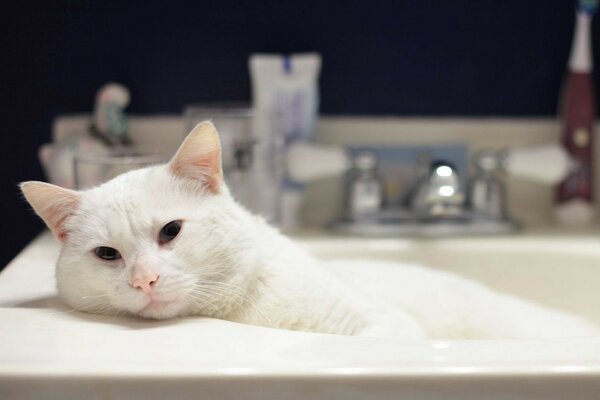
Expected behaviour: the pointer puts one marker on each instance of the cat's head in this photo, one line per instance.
(156, 242)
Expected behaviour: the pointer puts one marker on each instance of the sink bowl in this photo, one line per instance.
(557, 271)
(48, 351)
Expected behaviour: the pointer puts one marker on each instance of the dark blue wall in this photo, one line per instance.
(406, 57)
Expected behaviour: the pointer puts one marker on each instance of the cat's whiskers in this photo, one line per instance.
(219, 293)
(101, 304)
(209, 309)
(240, 298)
(222, 295)
(215, 272)
(202, 299)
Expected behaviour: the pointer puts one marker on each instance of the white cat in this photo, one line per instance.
(170, 241)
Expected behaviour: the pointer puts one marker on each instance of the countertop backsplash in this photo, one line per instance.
(529, 203)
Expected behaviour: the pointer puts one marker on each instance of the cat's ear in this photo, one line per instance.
(52, 203)
(199, 157)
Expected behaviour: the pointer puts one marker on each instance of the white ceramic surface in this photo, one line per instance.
(48, 351)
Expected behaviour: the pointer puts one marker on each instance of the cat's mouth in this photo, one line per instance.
(158, 308)
(157, 304)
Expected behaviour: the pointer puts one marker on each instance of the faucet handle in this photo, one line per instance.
(365, 187)
(545, 164)
(487, 192)
(489, 160)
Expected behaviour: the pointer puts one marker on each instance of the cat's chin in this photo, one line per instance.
(161, 309)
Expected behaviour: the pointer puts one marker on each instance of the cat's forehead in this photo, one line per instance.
(135, 204)
(130, 187)
(122, 209)
(138, 193)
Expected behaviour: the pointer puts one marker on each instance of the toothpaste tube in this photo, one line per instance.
(285, 88)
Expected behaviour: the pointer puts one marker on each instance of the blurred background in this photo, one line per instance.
(402, 58)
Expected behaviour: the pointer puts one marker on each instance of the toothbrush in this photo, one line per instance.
(574, 196)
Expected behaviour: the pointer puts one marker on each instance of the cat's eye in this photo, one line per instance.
(169, 232)
(107, 253)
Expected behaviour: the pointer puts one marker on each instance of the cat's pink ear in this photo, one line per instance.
(52, 203)
(199, 157)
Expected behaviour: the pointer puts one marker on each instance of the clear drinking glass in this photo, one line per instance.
(92, 169)
(251, 150)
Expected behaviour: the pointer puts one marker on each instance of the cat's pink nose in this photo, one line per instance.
(145, 282)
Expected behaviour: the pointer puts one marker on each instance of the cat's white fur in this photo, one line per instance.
(227, 263)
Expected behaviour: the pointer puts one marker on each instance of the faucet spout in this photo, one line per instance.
(439, 194)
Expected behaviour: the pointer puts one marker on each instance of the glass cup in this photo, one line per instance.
(92, 169)
(252, 153)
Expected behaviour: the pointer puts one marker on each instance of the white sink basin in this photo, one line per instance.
(557, 271)
(48, 351)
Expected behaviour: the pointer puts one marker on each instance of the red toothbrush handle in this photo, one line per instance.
(579, 116)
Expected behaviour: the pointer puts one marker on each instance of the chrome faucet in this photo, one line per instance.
(439, 194)
(439, 203)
